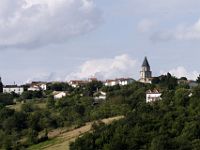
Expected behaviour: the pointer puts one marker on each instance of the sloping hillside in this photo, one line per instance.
(62, 140)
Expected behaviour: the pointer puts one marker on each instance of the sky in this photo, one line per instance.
(60, 40)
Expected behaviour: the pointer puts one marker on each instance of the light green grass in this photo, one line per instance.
(45, 144)
(16, 107)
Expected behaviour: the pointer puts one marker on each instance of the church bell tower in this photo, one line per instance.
(145, 73)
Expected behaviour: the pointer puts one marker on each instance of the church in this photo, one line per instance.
(145, 73)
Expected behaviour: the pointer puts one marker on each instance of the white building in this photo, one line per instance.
(111, 83)
(153, 95)
(120, 81)
(34, 88)
(77, 83)
(125, 81)
(38, 86)
(43, 86)
(59, 95)
(13, 88)
(100, 95)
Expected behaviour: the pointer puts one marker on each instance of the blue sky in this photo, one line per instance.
(70, 39)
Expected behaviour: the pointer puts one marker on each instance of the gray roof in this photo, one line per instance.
(12, 86)
(145, 63)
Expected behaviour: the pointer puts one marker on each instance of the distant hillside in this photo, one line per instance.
(173, 123)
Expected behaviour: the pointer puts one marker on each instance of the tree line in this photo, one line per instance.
(171, 123)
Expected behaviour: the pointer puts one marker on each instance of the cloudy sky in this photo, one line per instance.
(70, 39)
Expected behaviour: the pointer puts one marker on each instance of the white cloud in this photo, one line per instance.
(181, 32)
(146, 25)
(188, 33)
(34, 23)
(165, 6)
(44, 77)
(107, 68)
(182, 72)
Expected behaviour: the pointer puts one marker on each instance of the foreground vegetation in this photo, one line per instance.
(30, 124)
(63, 140)
(172, 123)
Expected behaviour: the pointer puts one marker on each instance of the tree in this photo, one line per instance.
(28, 107)
(59, 86)
(32, 136)
(156, 80)
(198, 79)
(31, 94)
(183, 78)
(26, 95)
(92, 87)
(1, 86)
(166, 81)
(159, 143)
(6, 99)
(50, 102)
(182, 97)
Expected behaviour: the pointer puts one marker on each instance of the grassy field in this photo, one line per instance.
(16, 107)
(62, 141)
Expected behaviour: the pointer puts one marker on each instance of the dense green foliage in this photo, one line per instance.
(6, 99)
(166, 81)
(31, 95)
(59, 86)
(172, 123)
(32, 123)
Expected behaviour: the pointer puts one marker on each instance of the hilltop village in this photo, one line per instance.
(60, 92)
(41, 112)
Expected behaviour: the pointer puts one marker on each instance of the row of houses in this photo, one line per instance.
(151, 95)
(120, 81)
(111, 82)
(34, 86)
(42, 86)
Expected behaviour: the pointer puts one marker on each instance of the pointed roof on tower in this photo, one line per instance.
(145, 63)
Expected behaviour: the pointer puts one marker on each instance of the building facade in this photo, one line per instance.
(120, 81)
(59, 95)
(145, 73)
(13, 88)
(77, 83)
(38, 86)
(100, 95)
(153, 95)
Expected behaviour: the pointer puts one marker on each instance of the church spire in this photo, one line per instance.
(145, 63)
(145, 73)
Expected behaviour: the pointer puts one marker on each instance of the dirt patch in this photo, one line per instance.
(70, 136)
